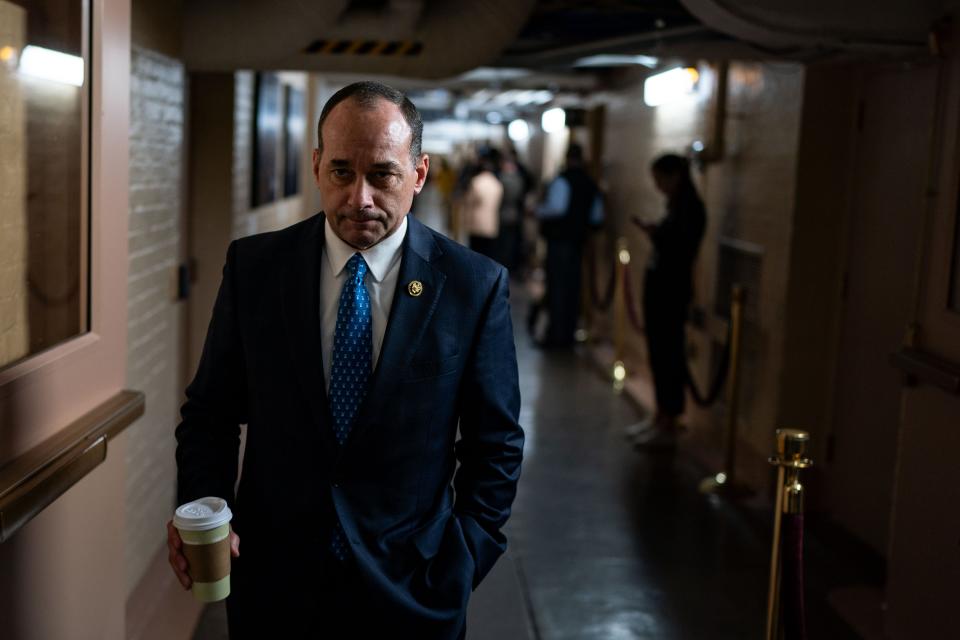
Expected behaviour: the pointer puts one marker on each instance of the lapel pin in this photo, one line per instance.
(415, 288)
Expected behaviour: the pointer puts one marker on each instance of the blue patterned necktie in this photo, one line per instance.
(352, 357)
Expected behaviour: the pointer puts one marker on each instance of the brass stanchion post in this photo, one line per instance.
(724, 480)
(790, 459)
(584, 333)
(620, 313)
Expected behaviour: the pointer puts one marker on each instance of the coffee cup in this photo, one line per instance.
(204, 527)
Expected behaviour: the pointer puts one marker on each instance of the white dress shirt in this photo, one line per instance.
(383, 267)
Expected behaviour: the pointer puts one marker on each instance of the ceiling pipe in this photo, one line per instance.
(739, 23)
(646, 41)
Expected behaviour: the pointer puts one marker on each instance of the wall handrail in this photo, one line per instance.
(928, 368)
(32, 481)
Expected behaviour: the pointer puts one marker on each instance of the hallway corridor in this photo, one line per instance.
(614, 544)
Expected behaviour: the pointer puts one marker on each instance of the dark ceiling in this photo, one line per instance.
(559, 24)
(559, 32)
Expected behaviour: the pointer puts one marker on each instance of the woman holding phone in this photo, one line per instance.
(667, 292)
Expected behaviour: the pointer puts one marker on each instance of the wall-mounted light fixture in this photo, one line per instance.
(671, 85)
(48, 64)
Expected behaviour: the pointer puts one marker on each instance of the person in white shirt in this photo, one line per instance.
(481, 205)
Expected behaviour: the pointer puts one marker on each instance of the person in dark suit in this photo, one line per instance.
(355, 345)
(571, 209)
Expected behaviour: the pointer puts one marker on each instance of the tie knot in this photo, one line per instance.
(356, 266)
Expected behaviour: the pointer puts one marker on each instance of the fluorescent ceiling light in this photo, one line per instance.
(669, 86)
(489, 74)
(616, 60)
(542, 97)
(553, 120)
(51, 65)
(518, 130)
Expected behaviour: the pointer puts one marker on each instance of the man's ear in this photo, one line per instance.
(423, 166)
(316, 166)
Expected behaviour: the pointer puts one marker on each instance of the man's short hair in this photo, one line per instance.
(574, 153)
(367, 94)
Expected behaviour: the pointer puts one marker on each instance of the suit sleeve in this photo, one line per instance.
(490, 448)
(208, 437)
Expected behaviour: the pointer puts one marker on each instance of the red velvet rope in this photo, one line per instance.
(628, 300)
(716, 388)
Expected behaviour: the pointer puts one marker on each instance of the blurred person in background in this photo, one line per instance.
(516, 184)
(667, 292)
(481, 205)
(572, 207)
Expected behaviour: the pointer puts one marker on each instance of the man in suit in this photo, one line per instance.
(355, 345)
(572, 207)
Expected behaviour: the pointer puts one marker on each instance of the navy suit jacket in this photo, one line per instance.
(423, 532)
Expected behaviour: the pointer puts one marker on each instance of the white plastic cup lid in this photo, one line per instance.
(202, 514)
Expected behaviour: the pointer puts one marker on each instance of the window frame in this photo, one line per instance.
(43, 392)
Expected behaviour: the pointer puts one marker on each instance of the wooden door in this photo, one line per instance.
(887, 209)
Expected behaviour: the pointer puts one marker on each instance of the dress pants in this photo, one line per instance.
(665, 303)
(333, 604)
(563, 290)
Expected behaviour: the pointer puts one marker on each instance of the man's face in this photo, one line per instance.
(366, 177)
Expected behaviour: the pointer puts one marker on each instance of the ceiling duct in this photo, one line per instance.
(451, 37)
(392, 20)
(793, 27)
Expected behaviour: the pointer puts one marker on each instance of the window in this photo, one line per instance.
(44, 230)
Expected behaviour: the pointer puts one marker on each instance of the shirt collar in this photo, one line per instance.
(380, 258)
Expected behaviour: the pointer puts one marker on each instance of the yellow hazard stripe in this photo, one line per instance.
(377, 49)
(366, 47)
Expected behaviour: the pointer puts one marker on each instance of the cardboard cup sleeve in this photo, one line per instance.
(208, 562)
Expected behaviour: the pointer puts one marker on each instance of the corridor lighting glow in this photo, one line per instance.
(615, 60)
(518, 130)
(553, 120)
(51, 65)
(619, 371)
(669, 86)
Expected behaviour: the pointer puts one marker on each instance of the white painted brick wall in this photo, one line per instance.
(154, 349)
(275, 215)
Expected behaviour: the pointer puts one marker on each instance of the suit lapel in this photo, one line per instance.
(301, 314)
(409, 317)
